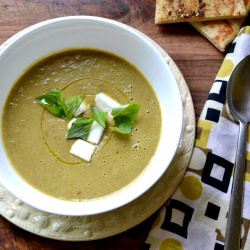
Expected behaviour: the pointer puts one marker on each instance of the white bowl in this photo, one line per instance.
(46, 37)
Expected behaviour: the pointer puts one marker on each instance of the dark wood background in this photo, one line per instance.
(197, 59)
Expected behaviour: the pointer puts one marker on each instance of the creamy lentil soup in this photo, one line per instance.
(34, 139)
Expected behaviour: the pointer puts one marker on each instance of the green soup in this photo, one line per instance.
(35, 141)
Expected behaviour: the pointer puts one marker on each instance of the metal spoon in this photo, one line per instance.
(238, 101)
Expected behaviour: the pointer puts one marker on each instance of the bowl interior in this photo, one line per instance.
(44, 38)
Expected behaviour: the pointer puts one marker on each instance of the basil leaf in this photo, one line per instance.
(53, 102)
(125, 117)
(80, 128)
(72, 104)
(99, 116)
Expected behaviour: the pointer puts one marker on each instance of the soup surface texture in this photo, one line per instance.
(34, 138)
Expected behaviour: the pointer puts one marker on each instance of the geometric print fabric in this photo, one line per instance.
(195, 217)
(218, 182)
(180, 228)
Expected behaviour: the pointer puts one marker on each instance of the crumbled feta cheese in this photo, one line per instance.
(105, 103)
(95, 133)
(83, 149)
(81, 109)
(71, 122)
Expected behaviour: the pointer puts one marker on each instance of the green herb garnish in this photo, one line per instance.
(53, 102)
(125, 117)
(80, 128)
(99, 116)
(63, 108)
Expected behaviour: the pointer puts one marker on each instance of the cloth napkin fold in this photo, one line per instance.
(195, 217)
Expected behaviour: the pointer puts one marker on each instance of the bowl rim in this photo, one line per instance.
(102, 204)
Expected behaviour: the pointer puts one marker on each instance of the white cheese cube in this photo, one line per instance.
(71, 122)
(83, 149)
(95, 133)
(81, 109)
(105, 103)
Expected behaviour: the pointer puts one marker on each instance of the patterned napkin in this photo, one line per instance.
(196, 215)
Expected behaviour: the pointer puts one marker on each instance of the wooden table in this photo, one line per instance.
(197, 59)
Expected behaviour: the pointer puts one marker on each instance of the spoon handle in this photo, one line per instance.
(233, 232)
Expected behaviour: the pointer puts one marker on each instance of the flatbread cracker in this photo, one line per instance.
(172, 11)
(221, 33)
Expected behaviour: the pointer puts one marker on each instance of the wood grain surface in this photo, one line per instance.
(197, 59)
